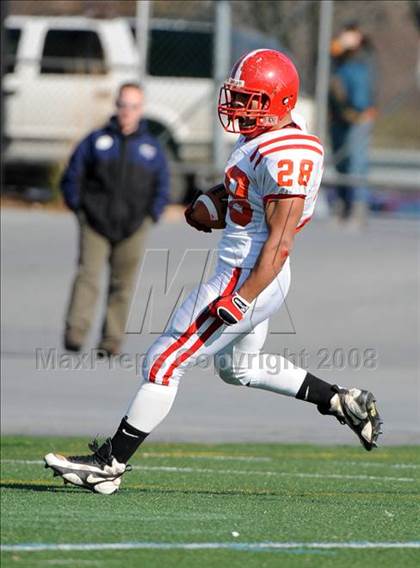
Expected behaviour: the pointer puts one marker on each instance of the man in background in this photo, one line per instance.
(352, 112)
(116, 182)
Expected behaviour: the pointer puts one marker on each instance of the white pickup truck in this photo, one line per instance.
(62, 74)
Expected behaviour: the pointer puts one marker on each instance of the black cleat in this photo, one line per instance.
(99, 472)
(357, 409)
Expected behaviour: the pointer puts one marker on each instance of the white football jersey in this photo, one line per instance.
(274, 165)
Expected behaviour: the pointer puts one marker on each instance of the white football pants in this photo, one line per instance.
(193, 335)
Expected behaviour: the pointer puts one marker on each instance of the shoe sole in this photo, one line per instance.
(374, 419)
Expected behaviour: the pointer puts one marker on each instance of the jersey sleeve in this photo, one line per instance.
(289, 173)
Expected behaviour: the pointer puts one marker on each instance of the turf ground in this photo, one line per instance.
(230, 505)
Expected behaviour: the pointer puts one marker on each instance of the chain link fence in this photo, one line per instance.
(64, 61)
(393, 30)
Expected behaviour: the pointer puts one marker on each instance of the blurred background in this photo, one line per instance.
(62, 63)
(64, 60)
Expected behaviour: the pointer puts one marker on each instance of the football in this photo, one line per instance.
(210, 208)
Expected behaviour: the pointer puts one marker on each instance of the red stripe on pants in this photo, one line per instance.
(193, 328)
(194, 347)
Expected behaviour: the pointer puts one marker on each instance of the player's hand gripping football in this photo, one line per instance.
(230, 309)
(189, 217)
(208, 210)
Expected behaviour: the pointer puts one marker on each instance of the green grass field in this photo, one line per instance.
(235, 497)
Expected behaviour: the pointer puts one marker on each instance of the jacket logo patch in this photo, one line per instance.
(104, 142)
(147, 151)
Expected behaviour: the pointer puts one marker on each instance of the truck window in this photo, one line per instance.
(76, 52)
(180, 53)
(12, 38)
(184, 53)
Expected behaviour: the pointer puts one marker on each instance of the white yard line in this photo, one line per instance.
(249, 459)
(272, 473)
(268, 459)
(206, 457)
(240, 546)
(246, 472)
(24, 462)
(177, 456)
(378, 464)
(406, 465)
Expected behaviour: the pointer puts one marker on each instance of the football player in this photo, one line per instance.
(272, 179)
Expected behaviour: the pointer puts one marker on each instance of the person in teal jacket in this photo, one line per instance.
(352, 113)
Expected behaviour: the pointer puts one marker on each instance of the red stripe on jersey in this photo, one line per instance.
(287, 147)
(193, 328)
(278, 196)
(291, 137)
(293, 147)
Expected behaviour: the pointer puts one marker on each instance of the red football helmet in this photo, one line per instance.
(263, 86)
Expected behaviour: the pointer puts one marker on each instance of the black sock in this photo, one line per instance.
(126, 440)
(316, 391)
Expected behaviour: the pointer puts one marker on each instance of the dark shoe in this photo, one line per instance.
(70, 345)
(73, 340)
(99, 472)
(357, 409)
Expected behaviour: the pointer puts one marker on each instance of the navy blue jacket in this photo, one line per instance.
(117, 180)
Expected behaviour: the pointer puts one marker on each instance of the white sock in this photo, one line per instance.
(150, 406)
(283, 377)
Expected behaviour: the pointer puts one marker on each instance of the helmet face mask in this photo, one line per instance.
(244, 111)
(262, 89)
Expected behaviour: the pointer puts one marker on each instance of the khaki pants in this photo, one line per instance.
(123, 258)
